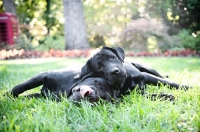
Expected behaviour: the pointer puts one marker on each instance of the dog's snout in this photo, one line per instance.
(85, 91)
(115, 71)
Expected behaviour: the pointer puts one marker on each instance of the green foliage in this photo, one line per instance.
(1, 7)
(107, 20)
(189, 41)
(133, 113)
(97, 41)
(34, 12)
(56, 42)
(180, 15)
(21, 42)
(193, 7)
(36, 22)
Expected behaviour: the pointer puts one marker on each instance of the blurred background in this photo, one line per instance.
(136, 25)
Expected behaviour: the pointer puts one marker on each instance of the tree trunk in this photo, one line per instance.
(9, 6)
(75, 31)
(47, 13)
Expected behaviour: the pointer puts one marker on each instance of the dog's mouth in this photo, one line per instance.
(83, 93)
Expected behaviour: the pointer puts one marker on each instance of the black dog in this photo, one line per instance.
(66, 82)
(125, 76)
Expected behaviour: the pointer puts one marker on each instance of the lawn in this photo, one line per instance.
(135, 113)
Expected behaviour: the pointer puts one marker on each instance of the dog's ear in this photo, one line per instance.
(86, 69)
(118, 51)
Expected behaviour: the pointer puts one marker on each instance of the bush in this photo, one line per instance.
(97, 41)
(21, 42)
(146, 35)
(56, 42)
(188, 41)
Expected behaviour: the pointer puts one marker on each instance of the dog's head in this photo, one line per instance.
(107, 63)
(92, 89)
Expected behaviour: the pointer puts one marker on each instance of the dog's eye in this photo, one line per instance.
(99, 68)
(112, 58)
(98, 84)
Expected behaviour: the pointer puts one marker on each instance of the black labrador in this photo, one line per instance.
(125, 76)
(66, 82)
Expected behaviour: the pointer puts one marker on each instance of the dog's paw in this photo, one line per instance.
(185, 87)
(162, 96)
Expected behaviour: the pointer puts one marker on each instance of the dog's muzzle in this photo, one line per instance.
(116, 77)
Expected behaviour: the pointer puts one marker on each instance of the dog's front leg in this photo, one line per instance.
(31, 83)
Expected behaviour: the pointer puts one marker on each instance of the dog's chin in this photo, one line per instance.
(74, 98)
(117, 84)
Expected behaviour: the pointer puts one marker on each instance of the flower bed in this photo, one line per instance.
(22, 54)
(168, 53)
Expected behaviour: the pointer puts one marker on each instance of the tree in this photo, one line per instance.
(40, 20)
(179, 14)
(75, 30)
(9, 6)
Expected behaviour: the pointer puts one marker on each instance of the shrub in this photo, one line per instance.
(56, 42)
(146, 35)
(189, 41)
(97, 41)
(21, 42)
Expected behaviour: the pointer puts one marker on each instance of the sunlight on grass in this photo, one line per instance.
(38, 61)
(133, 113)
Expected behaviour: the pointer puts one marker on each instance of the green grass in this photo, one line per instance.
(134, 114)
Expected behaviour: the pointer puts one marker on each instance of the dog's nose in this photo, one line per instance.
(85, 91)
(115, 71)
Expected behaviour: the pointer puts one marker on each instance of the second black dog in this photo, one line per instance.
(125, 76)
(66, 82)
